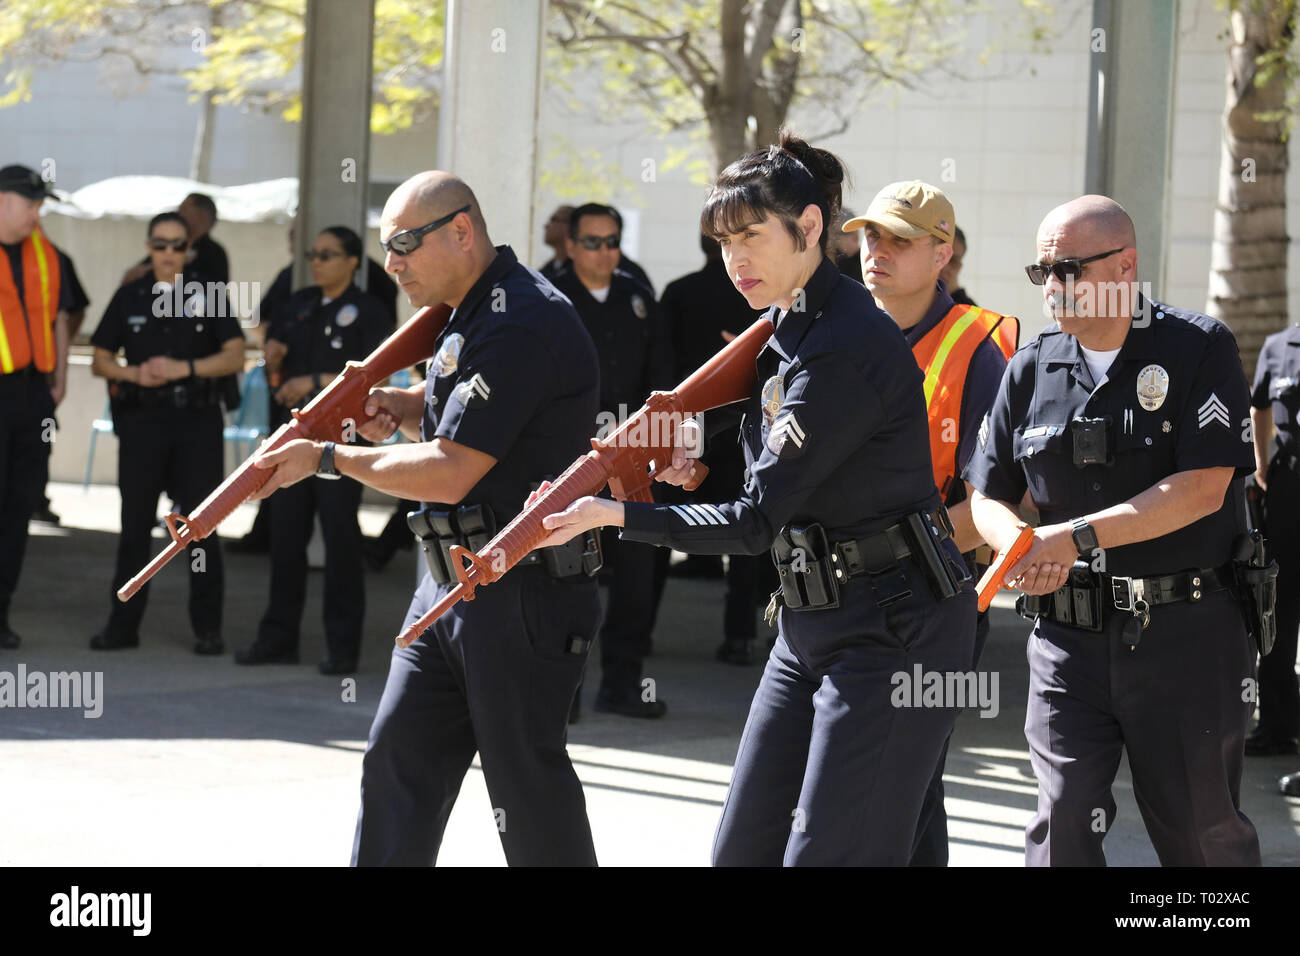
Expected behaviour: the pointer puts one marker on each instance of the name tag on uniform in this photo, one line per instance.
(136, 322)
(1047, 431)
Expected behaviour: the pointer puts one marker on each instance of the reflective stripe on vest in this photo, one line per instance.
(27, 336)
(944, 354)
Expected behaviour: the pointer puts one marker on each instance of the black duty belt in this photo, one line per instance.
(884, 548)
(1087, 599)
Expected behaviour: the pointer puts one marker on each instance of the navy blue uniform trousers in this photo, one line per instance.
(1179, 704)
(830, 771)
(495, 676)
(292, 519)
(25, 404)
(177, 451)
(1279, 694)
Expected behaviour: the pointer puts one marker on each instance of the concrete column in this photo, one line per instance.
(1130, 117)
(487, 124)
(334, 143)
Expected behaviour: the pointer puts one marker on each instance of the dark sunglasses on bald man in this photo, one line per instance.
(595, 242)
(1064, 269)
(408, 240)
(176, 245)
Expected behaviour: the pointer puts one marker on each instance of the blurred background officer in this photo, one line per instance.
(963, 352)
(624, 321)
(322, 327)
(698, 309)
(276, 299)
(951, 274)
(206, 256)
(1275, 405)
(33, 345)
(556, 235)
(1125, 421)
(167, 416)
(848, 246)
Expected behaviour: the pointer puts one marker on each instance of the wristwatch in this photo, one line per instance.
(1085, 539)
(326, 467)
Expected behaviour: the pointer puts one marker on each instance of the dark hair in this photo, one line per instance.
(349, 240)
(958, 234)
(709, 246)
(204, 202)
(593, 209)
(168, 217)
(782, 180)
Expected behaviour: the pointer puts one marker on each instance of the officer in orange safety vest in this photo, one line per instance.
(963, 351)
(33, 344)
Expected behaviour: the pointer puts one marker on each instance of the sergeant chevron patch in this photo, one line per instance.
(699, 515)
(1212, 411)
(787, 437)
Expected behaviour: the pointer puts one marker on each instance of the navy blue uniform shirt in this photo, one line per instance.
(1277, 383)
(1177, 400)
(322, 338)
(143, 323)
(515, 376)
(631, 338)
(835, 432)
(983, 376)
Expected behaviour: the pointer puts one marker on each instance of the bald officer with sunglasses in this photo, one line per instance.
(1128, 421)
(509, 401)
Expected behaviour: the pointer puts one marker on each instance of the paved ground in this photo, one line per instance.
(198, 761)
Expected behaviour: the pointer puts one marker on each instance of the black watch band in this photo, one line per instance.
(1085, 538)
(193, 371)
(326, 468)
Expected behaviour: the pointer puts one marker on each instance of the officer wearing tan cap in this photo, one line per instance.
(963, 351)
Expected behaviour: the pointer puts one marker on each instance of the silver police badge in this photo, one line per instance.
(638, 306)
(347, 315)
(1152, 387)
(448, 357)
(773, 398)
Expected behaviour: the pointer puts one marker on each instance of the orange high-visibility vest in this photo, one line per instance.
(27, 335)
(944, 355)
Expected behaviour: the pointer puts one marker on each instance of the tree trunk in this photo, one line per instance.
(201, 159)
(1247, 288)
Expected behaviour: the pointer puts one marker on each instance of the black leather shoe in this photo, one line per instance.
(209, 645)
(331, 666)
(1266, 745)
(1290, 784)
(738, 652)
(8, 639)
(257, 653)
(629, 705)
(104, 641)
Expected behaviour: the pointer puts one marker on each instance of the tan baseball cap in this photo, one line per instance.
(911, 210)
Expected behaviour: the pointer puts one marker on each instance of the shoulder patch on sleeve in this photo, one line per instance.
(473, 392)
(787, 438)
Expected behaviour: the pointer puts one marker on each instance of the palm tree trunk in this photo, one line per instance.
(1247, 288)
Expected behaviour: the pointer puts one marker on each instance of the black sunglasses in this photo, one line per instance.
(408, 240)
(595, 242)
(1063, 269)
(324, 255)
(176, 245)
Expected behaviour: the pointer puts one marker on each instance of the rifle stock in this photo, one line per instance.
(625, 460)
(325, 418)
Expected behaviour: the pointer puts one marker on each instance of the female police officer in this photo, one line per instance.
(179, 341)
(321, 328)
(836, 754)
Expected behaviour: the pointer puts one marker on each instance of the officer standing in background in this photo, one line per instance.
(509, 400)
(1275, 405)
(951, 274)
(631, 337)
(206, 256)
(167, 416)
(1128, 423)
(556, 235)
(701, 309)
(323, 327)
(33, 345)
(963, 352)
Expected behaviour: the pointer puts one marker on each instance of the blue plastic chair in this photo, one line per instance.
(252, 422)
